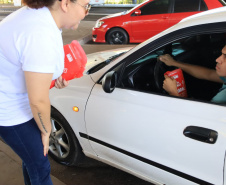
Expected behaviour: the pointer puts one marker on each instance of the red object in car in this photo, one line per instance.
(147, 19)
(177, 74)
(74, 61)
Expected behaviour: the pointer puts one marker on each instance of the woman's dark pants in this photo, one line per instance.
(25, 140)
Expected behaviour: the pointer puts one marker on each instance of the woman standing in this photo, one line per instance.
(31, 56)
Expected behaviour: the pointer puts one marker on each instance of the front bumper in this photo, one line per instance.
(98, 35)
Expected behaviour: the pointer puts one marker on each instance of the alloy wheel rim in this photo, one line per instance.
(58, 141)
(117, 38)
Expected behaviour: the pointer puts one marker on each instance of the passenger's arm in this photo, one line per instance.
(38, 92)
(196, 71)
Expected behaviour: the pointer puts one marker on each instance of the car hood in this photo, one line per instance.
(98, 57)
(113, 15)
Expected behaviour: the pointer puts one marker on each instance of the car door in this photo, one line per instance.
(144, 133)
(185, 8)
(154, 18)
(162, 139)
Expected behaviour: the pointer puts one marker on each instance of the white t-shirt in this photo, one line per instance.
(29, 41)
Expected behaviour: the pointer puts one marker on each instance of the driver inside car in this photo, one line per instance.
(218, 75)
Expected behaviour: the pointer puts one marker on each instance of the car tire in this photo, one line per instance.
(63, 144)
(117, 36)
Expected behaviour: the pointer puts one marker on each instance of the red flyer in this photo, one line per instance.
(177, 74)
(74, 61)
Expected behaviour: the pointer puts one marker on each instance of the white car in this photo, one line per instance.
(119, 114)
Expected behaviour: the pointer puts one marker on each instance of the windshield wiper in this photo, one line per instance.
(112, 58)
(103, 64)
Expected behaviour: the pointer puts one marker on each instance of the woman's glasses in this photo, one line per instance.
(86, 7)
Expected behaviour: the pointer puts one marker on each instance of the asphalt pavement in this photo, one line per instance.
(10, 163)
(11, 168)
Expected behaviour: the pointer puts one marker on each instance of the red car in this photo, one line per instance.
(147, 19)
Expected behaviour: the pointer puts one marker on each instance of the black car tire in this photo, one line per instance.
(63, 144)
(117, 36)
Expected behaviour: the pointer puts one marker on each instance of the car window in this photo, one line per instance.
(203, 6)
(155, 7)
(189, 6)
(146, 74)
(223, 2)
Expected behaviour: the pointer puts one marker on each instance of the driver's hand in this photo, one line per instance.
(170, 85)
(167, 59)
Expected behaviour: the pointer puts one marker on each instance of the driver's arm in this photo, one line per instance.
(196, 71)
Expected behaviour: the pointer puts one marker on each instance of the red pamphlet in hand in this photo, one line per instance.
(74, 61)
(177, 74)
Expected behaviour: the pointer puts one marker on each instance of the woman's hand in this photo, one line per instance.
(61, 83)
(170, 85)
(168, 60)
(45, 142)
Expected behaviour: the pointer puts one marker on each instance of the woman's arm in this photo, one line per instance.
(38, 92)
(61, 83)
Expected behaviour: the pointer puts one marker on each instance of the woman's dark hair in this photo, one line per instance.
(38, 3)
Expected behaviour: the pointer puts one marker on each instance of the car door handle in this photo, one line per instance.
(201, 134)
(165, 17)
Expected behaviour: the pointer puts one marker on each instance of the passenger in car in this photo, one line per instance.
(218, 75)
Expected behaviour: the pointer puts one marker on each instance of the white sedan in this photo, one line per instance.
(118, 112)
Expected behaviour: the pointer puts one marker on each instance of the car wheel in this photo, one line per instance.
(63, 144)
(117, 36)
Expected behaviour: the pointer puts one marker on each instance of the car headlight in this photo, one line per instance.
(98, 24)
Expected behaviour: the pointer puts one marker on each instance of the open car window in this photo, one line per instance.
(147, 75)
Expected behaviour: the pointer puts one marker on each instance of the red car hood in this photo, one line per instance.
(113, 15)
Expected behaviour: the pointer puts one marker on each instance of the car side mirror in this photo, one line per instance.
(109, 82)
(138, 12)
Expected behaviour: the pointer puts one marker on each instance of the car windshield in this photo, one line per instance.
(125, 12)
(104, 63)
